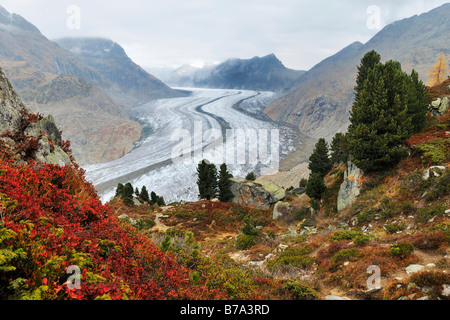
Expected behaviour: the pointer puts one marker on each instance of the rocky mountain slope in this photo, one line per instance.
(259, 73)
(321, 99)
(110, 60)
(89, 105)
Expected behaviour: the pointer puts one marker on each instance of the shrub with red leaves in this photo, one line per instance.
(53, 218)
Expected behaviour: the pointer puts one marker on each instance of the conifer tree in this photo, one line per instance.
(339, 148)
(143, 195)
(319, 161)
(379, 121)
(127, 194)
(119, 190)
(225, 193)
(153, 198)
(207, 180)
(417, 102)
(250, 176)
(202, 179)
(212, 182)
(316, 186)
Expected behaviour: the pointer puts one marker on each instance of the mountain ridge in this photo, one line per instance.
(265, 73)
(320, 102)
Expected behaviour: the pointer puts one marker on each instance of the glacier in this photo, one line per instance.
(200, 122)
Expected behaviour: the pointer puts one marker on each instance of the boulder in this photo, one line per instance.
(281, 209)
(426, 175)
(440, 106)
(350, 188)
(413, 268)
(257, 194)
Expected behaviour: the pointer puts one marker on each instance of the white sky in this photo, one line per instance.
(170, 33)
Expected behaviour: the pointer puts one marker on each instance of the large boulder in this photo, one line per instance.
(281, 210)
(350, 188)
(440, 106)
(257, 194)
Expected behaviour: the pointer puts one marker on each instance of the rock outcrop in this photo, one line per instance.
(23, 135)
(280, 210)
(440, 106)
(257, 194)
(350, 188)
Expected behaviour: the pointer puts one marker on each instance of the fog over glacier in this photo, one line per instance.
(214, 124)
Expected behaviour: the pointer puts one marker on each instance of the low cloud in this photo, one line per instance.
(170, 33)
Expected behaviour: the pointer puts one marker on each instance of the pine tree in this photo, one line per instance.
(143, 195)
(319, 161)
(127, 194)
(339, 148)
(119, 190)
(202, 179)
(250, 176)
(303, 183)
(379, 121)
(368, 62)
(225, 193)
(316, 186)
(438, 72)
(153, 198)
(207, 180)
(212, 182)
(418, 102)
(160, 201)
(136, 192)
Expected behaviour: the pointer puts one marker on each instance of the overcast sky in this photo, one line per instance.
(170, 33)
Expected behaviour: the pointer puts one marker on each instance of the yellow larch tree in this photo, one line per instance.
(438, 72)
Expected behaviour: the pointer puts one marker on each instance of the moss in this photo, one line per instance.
(295, 257)
(300, 292)
(361, 240)
(245, 241)
(345, 235)
(401, 250)
(346, 255)
(365, 216)
(425, 214)
(437, 150)
(392, 228)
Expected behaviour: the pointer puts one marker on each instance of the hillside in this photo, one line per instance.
(259, 73)
(320, 101)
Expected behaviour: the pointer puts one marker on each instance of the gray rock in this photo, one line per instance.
(257, 194)
(331, 297)
(48, 125)
(433, 170)
(413, 268)
(440, 106)
(281, 209)
(12, 111)
(350, 188)
(446, 290)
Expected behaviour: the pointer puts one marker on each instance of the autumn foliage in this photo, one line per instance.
(438, 72)
(52, 219)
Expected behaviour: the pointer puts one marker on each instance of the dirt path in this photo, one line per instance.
(159, 225)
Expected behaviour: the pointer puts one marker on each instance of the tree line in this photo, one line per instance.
(127, 193)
